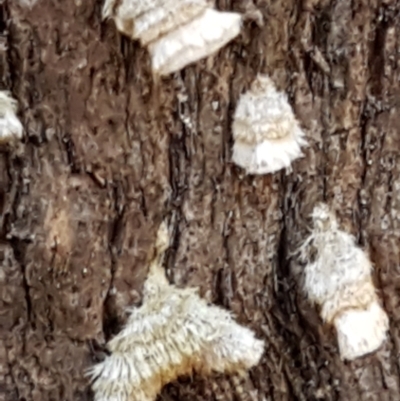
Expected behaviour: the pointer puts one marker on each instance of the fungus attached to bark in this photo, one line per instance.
(172, 334)
(177, 33)
(267, 135)
(10, 127)
(339, 281)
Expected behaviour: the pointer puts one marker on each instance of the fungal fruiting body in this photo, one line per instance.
(339, 281)
(10, 126)
(177, 33)
(169, 16)
(267, 136)
(172, 334)
(191, 42)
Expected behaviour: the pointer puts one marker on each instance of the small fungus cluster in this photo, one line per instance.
(174, 333)
(176, 33)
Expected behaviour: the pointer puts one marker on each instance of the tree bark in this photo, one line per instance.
(109, 153)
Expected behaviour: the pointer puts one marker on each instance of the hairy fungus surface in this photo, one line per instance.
(173, 333)
(176, 33)
(339, 281)
(267, 135)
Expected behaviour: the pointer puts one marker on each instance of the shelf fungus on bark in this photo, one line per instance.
(267, 136)
(172, 334)
(176, 33)
(339, 281)
(10, 127)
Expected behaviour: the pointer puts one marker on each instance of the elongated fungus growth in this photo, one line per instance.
(172, 334)
(10, 126)
(177, 33)
(266, 133)
(339, 281)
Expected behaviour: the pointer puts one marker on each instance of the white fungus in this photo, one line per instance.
(10, 126)
(172, 334)
(339, 281)
(267, 136)
(177, 33)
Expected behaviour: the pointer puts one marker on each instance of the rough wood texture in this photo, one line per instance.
(108, 154)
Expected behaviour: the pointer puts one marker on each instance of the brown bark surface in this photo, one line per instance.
(108, 154)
